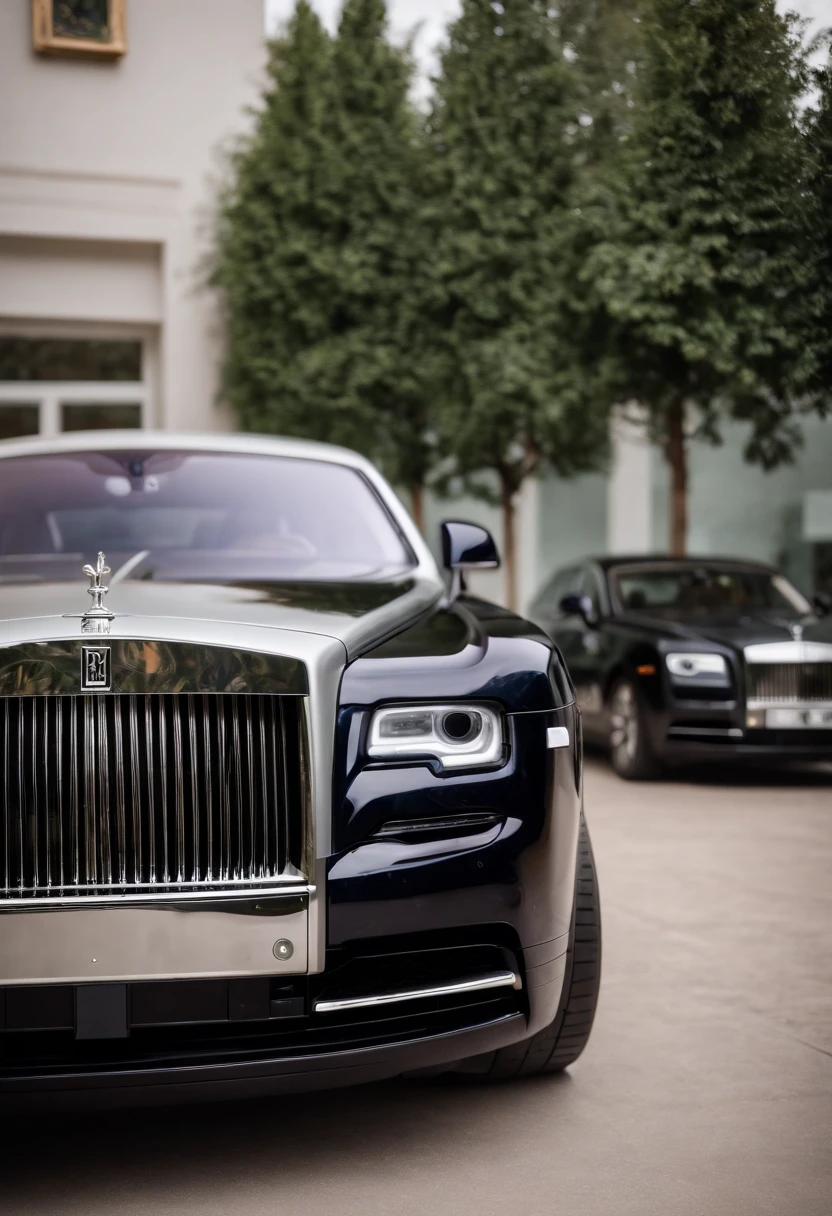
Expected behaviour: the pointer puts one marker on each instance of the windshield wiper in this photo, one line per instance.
(128, 566)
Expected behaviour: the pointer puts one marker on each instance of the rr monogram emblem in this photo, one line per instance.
(95, 668)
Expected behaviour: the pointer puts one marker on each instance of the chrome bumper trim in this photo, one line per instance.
(206, 896)
(497, 979)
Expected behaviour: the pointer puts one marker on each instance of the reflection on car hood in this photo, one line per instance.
(736, 632)
(359, 614)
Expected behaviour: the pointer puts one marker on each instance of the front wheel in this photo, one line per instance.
(561, 1042)
(630, 751)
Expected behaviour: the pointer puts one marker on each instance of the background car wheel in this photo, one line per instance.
(562, 1041)
(630, 751)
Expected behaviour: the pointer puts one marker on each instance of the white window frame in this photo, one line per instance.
(50, 395)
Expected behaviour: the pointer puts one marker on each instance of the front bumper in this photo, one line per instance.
(684, 732)
(197, 1040)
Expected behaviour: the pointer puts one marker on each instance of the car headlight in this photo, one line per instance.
(456, 736)
(695, 666)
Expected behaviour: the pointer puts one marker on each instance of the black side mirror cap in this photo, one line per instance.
(578, 605)
(468, 547)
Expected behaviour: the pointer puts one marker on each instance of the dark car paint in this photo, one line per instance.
(617, 644)
(471, 650)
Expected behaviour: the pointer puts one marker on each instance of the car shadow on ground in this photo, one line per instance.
(289, 1139)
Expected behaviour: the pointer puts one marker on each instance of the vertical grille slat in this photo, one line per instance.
(121, 815)
(151, 798)
(179, 795)
(59, 791)
(6, 799)
(193, 766)
(113, 793)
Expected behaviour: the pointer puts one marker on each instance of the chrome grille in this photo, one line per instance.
(785, 682)
(174, 792)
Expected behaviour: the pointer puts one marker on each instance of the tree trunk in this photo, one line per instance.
(507, 502)
(677, 458)
(417, 505)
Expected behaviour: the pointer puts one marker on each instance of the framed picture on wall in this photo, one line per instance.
(86, 28)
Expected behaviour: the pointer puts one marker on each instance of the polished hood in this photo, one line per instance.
(736, 632)
(360, 614)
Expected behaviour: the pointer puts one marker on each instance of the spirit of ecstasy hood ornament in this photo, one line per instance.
(97, 618)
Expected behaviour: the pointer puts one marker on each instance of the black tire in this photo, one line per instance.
(631, 755)
(561, 1042)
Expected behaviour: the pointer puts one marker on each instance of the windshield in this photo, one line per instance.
(692, 590)
(192, 516)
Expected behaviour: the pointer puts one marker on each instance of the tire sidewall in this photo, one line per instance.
(639, 763)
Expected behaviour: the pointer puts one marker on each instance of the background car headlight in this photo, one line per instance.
(457, 736)
(693, 666)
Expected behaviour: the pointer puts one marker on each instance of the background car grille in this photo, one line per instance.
(117, 793)
(784, 682)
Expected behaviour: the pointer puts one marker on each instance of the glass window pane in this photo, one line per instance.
(688, 589)
(195, 516)
(69, 359)
(79, 417)
(81, 19)
(17, 420)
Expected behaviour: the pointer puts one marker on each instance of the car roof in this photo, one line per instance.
(658, 560)
(188, 441)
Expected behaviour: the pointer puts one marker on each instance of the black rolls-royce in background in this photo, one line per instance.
(680, 660)
(277, 811)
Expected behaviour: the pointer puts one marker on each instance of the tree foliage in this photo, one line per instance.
(504, 134)
(316, 257)
(601, 42)
(694, 247)
(819, 141)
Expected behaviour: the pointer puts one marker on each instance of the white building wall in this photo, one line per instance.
(629, 493)
(108, 177)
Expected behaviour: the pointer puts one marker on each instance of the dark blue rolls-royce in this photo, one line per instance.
(277, 810)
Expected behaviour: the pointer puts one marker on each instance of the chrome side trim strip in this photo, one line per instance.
(497, 979)
(283, 886)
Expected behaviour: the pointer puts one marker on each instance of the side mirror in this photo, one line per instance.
(466, 547)
(822, 603)
(578, 605)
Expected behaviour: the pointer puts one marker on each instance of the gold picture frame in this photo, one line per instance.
(50, 36)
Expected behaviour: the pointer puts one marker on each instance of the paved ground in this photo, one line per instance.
(706, 1088)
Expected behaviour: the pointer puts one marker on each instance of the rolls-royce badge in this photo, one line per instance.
(95, 668)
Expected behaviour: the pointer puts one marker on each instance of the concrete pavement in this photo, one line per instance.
(706, 1087)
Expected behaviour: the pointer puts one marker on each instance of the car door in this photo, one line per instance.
(581, 644)
(584, 646)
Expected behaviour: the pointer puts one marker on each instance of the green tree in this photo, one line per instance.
(819, 140)
(695, 248)
(316, 254)
(504, 132)
(602, 44)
